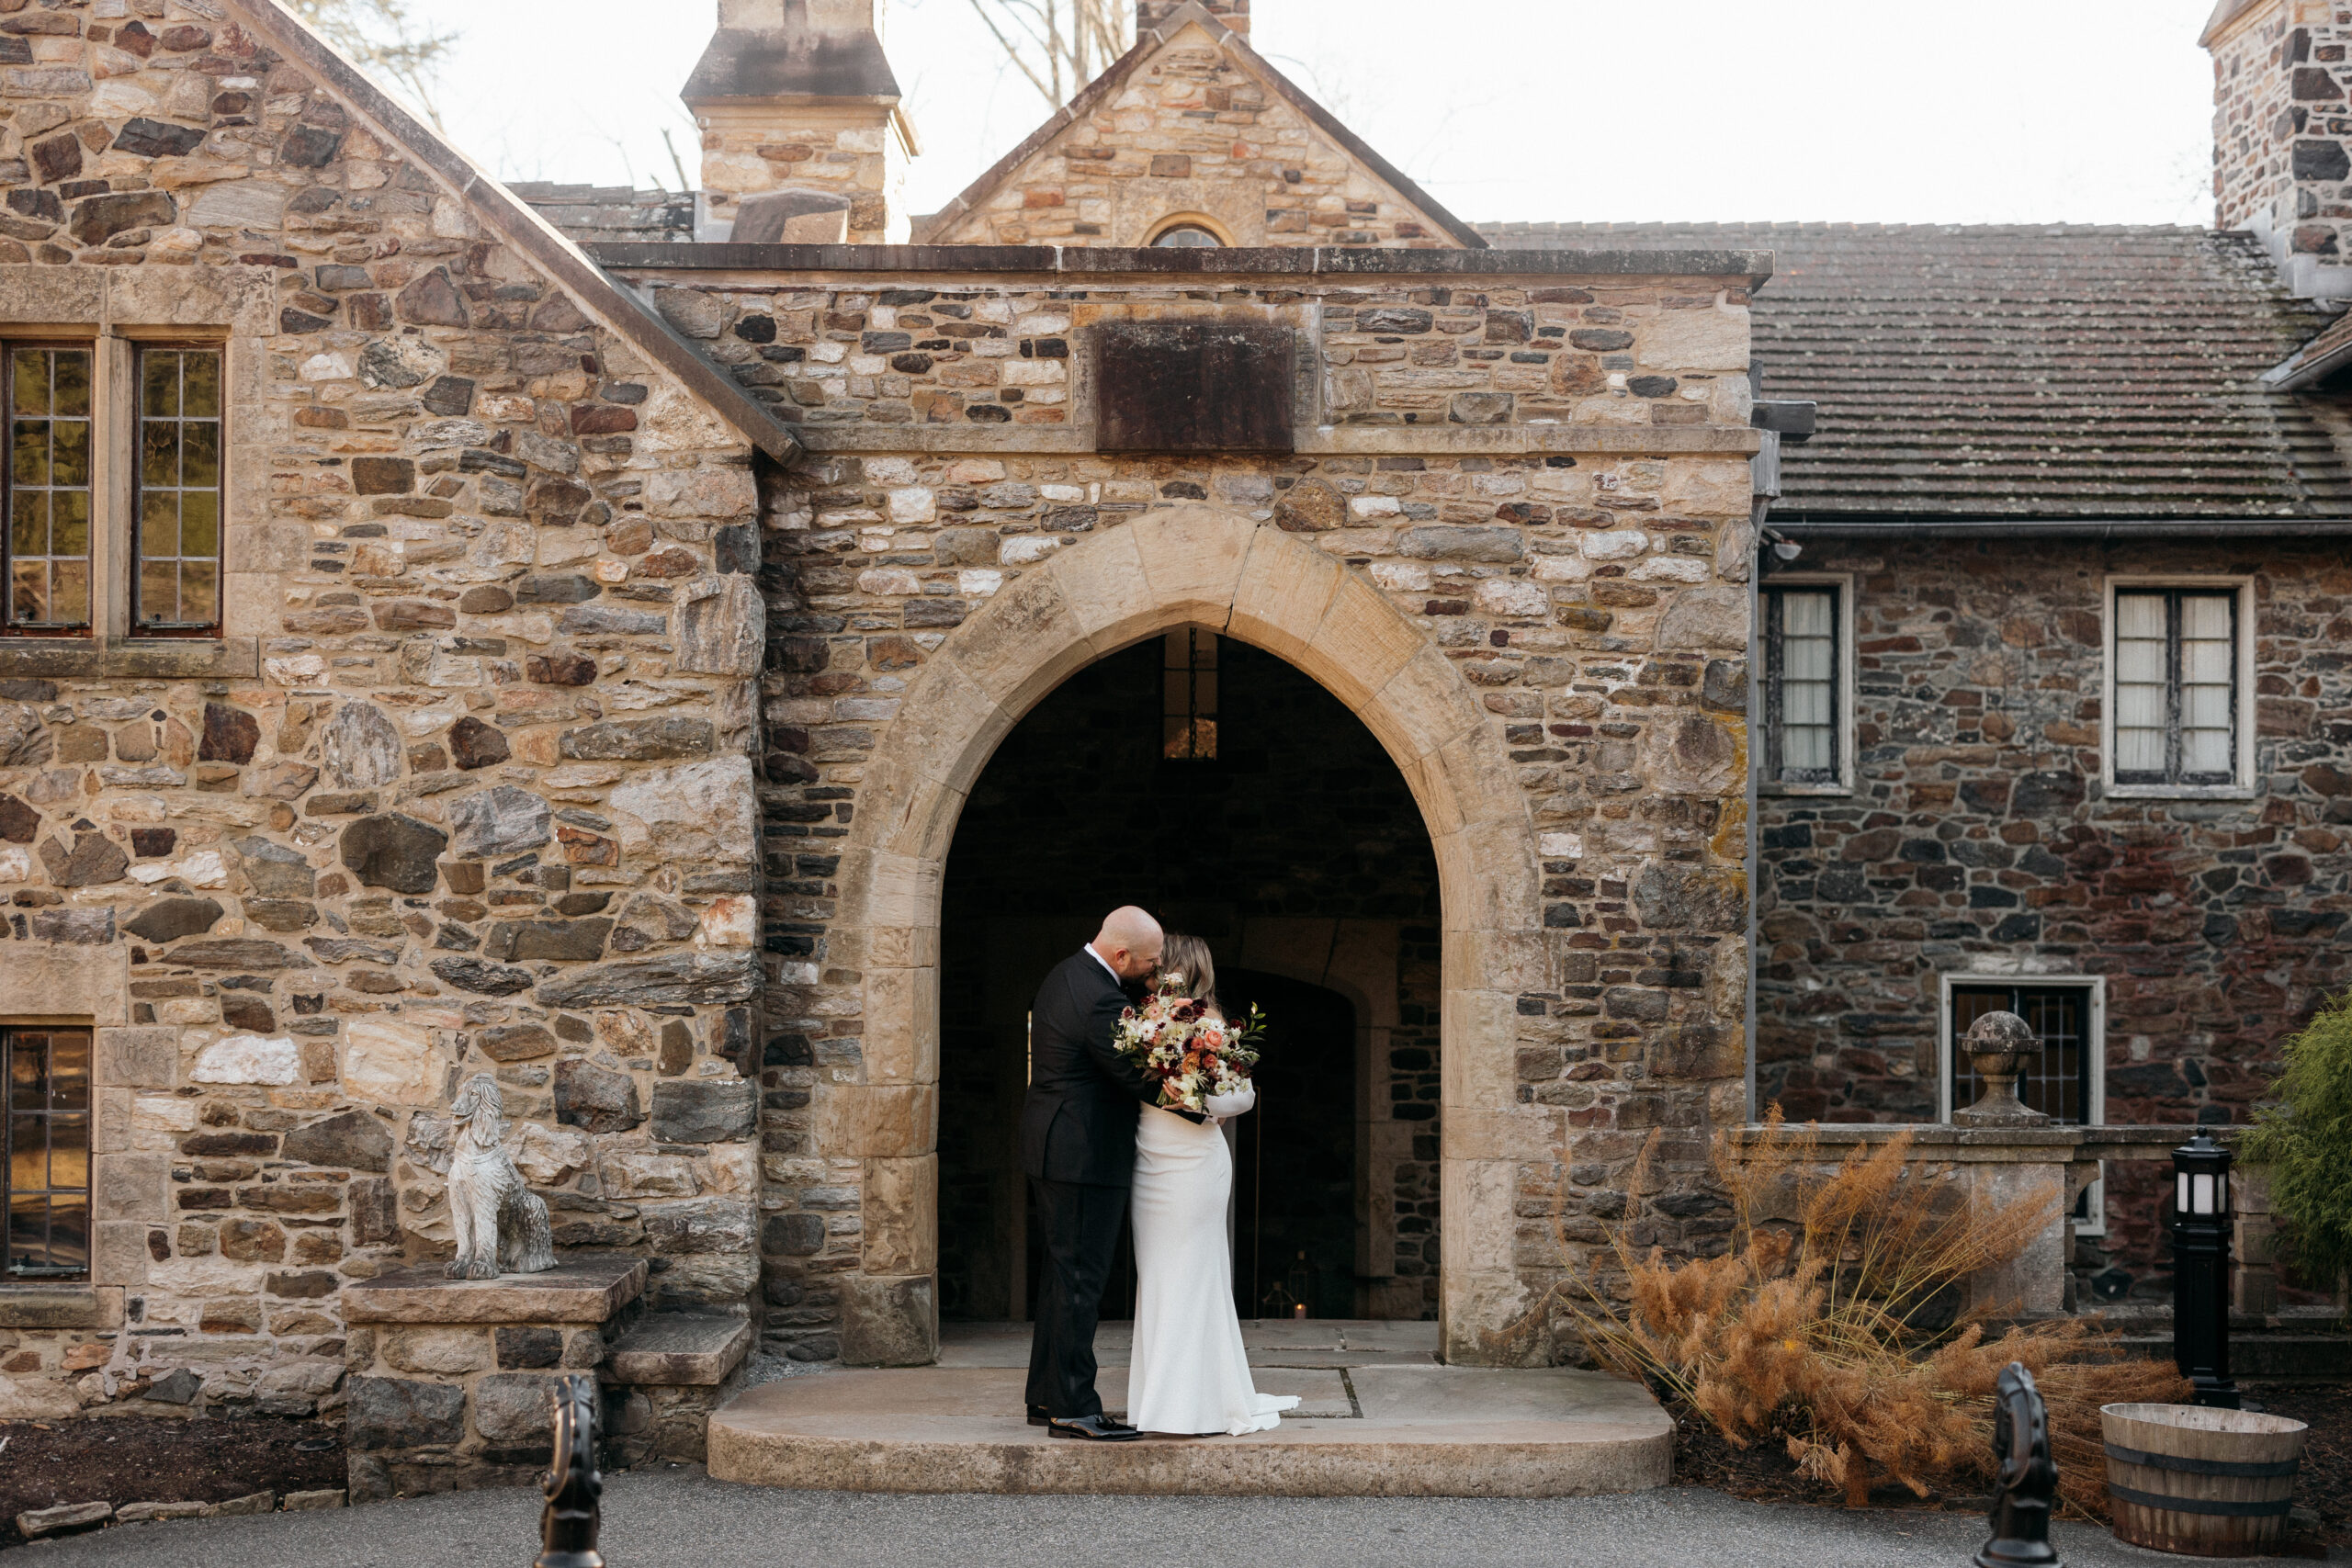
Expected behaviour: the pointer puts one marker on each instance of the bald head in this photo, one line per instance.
(1129, 942)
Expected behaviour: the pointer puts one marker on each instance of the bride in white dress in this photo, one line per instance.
(1189, 1374)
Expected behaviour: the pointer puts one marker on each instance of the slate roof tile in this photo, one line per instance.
(2027, 370)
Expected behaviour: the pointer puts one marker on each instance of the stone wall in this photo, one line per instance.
(1979, 841)
(464, 788)
(2282, 131)
(1574, 579)
(1192, 130)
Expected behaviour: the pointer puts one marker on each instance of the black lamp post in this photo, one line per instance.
(2200, 1269)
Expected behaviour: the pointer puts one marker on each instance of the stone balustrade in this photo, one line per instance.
(2001, 1165)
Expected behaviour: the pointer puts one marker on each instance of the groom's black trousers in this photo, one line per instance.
(1081, 1232)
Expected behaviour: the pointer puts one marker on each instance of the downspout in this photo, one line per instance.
(1772, 421)
(1766, 488)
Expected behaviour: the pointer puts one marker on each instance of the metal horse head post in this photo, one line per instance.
(569, 1526)
(2026, 1478)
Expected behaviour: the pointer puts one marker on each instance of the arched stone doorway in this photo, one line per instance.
(1244, 804)
(1192, 565)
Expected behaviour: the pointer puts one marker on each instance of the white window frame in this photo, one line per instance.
(1844, 584)
(2094, 1043)
(2243, 786)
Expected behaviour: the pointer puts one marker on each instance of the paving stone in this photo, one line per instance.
(37, 1523)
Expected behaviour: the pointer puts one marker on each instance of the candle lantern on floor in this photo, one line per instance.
(2200, 1269)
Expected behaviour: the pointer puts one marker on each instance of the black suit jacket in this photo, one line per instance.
(1079, 1123)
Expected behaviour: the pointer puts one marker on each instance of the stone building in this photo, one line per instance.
(435, 652)
(2054, 709)
(459, 629)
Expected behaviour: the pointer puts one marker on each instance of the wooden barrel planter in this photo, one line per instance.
(2205, 1482)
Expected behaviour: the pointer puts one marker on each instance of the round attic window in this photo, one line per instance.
(1187, 236)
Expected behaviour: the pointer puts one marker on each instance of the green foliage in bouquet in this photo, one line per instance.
(2305, 1137)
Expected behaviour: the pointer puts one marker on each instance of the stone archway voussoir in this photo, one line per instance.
(1101, 580)
(1286, 590)
(1191, 559)
(1360, 645)
(998, 649)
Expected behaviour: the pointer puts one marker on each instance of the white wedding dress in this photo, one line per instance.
(1190, 1374)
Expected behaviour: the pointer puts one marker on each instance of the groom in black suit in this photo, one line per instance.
(1078, 1143)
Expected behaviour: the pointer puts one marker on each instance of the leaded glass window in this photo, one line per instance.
(177, 583)
(49, 501)
(46, 1135)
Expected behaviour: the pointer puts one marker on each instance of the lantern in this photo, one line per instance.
(2200, 1269)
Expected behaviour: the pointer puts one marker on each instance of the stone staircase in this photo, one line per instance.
(2291, 1345)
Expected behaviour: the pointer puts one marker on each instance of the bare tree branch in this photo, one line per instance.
(1059, 54)
(381, 35)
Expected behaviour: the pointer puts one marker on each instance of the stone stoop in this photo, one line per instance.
(449, 1389)
(1379, 1430)
(662, 1380)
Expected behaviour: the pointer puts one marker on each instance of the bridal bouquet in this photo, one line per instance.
(1193, 1052)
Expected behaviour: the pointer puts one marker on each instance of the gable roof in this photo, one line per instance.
(516, 223)
(2027, 371)
(1149, 42)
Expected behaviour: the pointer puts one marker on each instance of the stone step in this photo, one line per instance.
(1377, 1430)
(2327, 1357)
(671, 1349)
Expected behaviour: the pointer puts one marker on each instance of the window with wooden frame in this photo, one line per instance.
(45, 1139)
(1805, 689)
(2177, 710)
(177, 496)
(50, 502)
(1189, 696)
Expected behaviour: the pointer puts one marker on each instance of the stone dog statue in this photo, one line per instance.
(502, 1225)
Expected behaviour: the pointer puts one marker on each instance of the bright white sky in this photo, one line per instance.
(2089, 111)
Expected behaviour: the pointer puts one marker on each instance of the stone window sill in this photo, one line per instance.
(2180, 791)
(155, 659)
(1815, 790)
(61, 1304)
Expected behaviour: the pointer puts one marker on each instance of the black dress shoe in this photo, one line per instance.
(1094, 1429)
(1038, 1417)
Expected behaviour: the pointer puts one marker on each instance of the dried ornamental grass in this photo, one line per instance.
(1824, 1325)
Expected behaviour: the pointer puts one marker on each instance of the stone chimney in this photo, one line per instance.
(1234, 14)
(2282, 135)
(798, 97)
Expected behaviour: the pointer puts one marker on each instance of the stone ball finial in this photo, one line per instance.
(1999, 1031)
(1997, 1045)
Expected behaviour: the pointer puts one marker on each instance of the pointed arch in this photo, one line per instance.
(1191, 566)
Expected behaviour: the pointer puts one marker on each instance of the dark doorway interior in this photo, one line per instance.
(1295, 1208)
(1223, 789)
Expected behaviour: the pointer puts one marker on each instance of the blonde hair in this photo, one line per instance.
(1189, 957)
